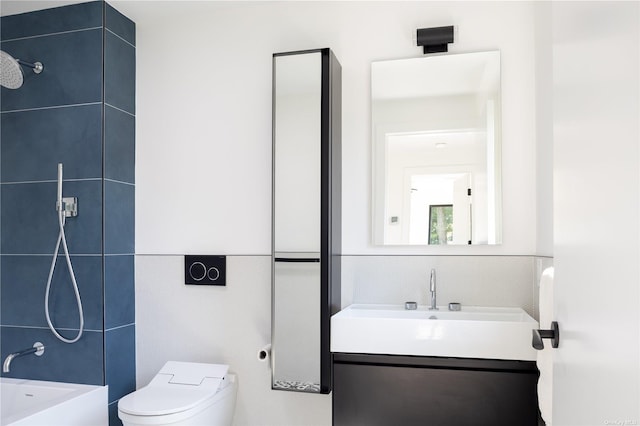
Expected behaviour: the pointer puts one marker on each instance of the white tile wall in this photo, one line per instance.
(230, 324)
(470, 280)
(218, 325)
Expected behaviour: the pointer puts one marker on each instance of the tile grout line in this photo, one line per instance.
(121, 38)
(120, 326)
(120, 109)
(119, 181)
(103, 136)
(39, 327)
(12, 111)
(51, 34)
(51, 181)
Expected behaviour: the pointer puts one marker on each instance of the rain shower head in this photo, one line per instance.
(11, 75)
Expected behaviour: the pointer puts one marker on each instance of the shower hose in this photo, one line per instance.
(62, 238)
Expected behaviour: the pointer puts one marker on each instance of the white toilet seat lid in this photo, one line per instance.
(178, 387)
(167, 399)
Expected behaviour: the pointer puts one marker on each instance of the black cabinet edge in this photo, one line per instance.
(497, 365)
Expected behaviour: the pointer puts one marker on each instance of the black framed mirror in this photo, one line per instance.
(306, 217)
(436, 135)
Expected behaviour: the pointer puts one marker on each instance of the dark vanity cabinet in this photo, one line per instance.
(389, 390)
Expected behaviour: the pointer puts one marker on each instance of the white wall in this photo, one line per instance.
(596, 163)
(204, 112)
(203, 165)
(544, 129)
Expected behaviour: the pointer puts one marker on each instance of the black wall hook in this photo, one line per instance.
(553, 334)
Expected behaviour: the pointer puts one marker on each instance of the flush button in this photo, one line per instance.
(213, 273)
(205, 270)
(197, 271)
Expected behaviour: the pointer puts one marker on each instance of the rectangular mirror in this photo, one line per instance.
(437, 150)
(306, 217)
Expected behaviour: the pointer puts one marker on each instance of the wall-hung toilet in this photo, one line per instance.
(183, 393)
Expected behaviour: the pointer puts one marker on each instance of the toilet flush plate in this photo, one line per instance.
(205, 270)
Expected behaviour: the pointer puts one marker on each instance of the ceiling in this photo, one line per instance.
(137, 10)
(13, 7)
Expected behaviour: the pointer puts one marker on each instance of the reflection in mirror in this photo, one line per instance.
(436, 138)
(306, 218)
(296, 227)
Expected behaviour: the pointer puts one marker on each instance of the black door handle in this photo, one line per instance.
(553, 334)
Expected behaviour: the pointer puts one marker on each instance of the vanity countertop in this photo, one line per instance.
(472, 332)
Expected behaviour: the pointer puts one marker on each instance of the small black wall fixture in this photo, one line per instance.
(553, 334)
(435, 40)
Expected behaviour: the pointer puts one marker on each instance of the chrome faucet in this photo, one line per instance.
(432, 290)
(37, 349)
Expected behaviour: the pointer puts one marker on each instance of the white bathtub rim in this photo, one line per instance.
(77, 389)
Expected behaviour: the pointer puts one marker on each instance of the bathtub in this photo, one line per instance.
(37, 403)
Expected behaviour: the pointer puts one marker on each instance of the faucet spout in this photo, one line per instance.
(7, 362)
(37, 349)
(432, 290)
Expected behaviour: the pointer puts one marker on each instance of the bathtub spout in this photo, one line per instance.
(37, 349)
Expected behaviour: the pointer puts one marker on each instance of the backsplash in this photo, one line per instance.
(509, 281)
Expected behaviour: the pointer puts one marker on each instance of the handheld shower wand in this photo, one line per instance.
(64, 209)
(59, 197)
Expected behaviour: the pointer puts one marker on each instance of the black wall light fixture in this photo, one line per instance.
(435, 40)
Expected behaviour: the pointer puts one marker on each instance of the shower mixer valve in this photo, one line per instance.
(69, 206)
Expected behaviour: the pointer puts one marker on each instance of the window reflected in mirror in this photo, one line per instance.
(441, 224)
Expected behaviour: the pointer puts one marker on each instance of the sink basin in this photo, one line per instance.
(473, 332)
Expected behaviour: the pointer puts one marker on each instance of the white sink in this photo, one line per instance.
(473, 332)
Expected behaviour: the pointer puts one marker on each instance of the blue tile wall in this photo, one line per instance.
(24, 278)
(120, 25)
(80, 362)
(34, 141)
(79, 111)
(62, 301)
(29, 222)
(114, 420)
(119, 291)
(28, 227)
(72, 70)
(119, 218)
(119, 145)
(119, 73)
(119, 365)
(54, 20)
